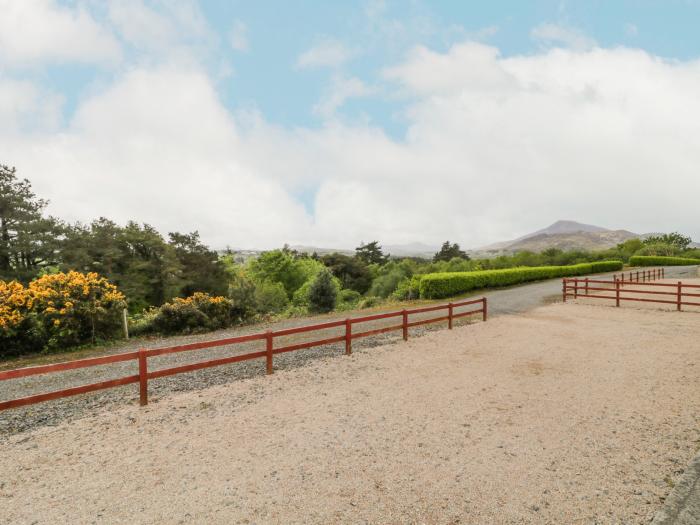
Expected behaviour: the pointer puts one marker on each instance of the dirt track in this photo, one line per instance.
(568, 414)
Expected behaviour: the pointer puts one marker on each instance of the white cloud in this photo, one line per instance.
(495, 147)
(40, 31)
(239, 36)
(342, 89)
(567, 36)
(327, 53)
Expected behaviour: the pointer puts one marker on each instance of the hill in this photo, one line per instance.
(563, 234)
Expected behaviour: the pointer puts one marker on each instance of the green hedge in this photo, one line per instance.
(657, 260)
(439, 285)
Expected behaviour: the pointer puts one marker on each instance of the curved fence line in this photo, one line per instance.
(269, 336)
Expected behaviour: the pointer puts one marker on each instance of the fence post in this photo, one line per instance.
(663, 272)
(563, 289)
(485, 309)
(143, 377)
(575, 287)
(125, 324)
(404, 324)
(617, 293)
(348, 337)
(449, 316)
(268, 350)
(586, 285)
(680, 292)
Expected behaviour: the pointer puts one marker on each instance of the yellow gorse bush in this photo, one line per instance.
(59, 310)
(14, 303)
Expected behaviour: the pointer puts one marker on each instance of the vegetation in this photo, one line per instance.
(440, 285)
(450, 251)
(642, 260)
(64, 285)
(57, 311)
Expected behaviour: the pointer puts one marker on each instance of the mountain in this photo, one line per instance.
(563, 234)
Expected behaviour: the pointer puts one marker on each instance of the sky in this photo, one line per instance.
(331, 123)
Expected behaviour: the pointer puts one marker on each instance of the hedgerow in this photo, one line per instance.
(439, 285)
(657, 260)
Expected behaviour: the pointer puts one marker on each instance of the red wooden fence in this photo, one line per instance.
(623, 290)
(141, 356)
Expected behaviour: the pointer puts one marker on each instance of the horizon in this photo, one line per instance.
(406, 123)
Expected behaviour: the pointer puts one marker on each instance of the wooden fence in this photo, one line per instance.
(141, 356)
(620, 289)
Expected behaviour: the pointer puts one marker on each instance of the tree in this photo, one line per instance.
(449, 251)
(672, 239)
(322, 294)
(279, 266)
(371, 253)
(201, 269)
(28, 240)
(352, 272)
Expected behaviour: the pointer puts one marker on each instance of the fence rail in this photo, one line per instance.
(620, 289)
(142, 355)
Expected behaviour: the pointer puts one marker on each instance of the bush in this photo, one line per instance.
(270, 297)
(58, 311)
(323, 293)
(642, 260)
(369, 302)
(198, 313)
(439, 285)
(349, 296)
(408, 289)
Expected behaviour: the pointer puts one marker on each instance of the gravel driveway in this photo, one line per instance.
(569, 414)
(503, 301)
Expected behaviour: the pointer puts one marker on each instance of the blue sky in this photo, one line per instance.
(309, 118)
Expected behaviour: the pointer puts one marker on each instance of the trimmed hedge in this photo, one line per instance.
(439, 285)
(658, 260)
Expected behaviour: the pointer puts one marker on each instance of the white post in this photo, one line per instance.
(125, 324)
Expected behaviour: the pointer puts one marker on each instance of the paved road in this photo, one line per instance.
(518, 299)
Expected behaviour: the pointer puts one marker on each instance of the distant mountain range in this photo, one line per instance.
(565, 235)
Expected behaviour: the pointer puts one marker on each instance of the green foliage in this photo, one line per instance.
(437, 286)
(323, 293)
(369, 302)
(408, 289)
(198, 313)
(371, 253)
(450, 251)
(201, 269)
(641, 260)
(28, 240)
(270, 297)
(281, 266)
(352, 272)
(347, 296)
(681, 242)
(658, 249)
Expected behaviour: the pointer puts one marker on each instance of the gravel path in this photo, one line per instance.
(567, 414)
(503, 301)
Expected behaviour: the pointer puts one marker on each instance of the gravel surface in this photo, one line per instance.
(503, 301)
(567, 414)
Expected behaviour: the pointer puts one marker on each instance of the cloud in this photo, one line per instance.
(327, 53)
(40, 31)
(238, 36)
(495, 147)
(342, 89)
(567, 36)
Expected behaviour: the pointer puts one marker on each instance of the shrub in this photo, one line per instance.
(197, 313)
(439, 285)
(408, 288)
(75, 308)
(323, 293)
(642, 260)
(270, 297)
(349, 296)
(369, 302)
(18, 332)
